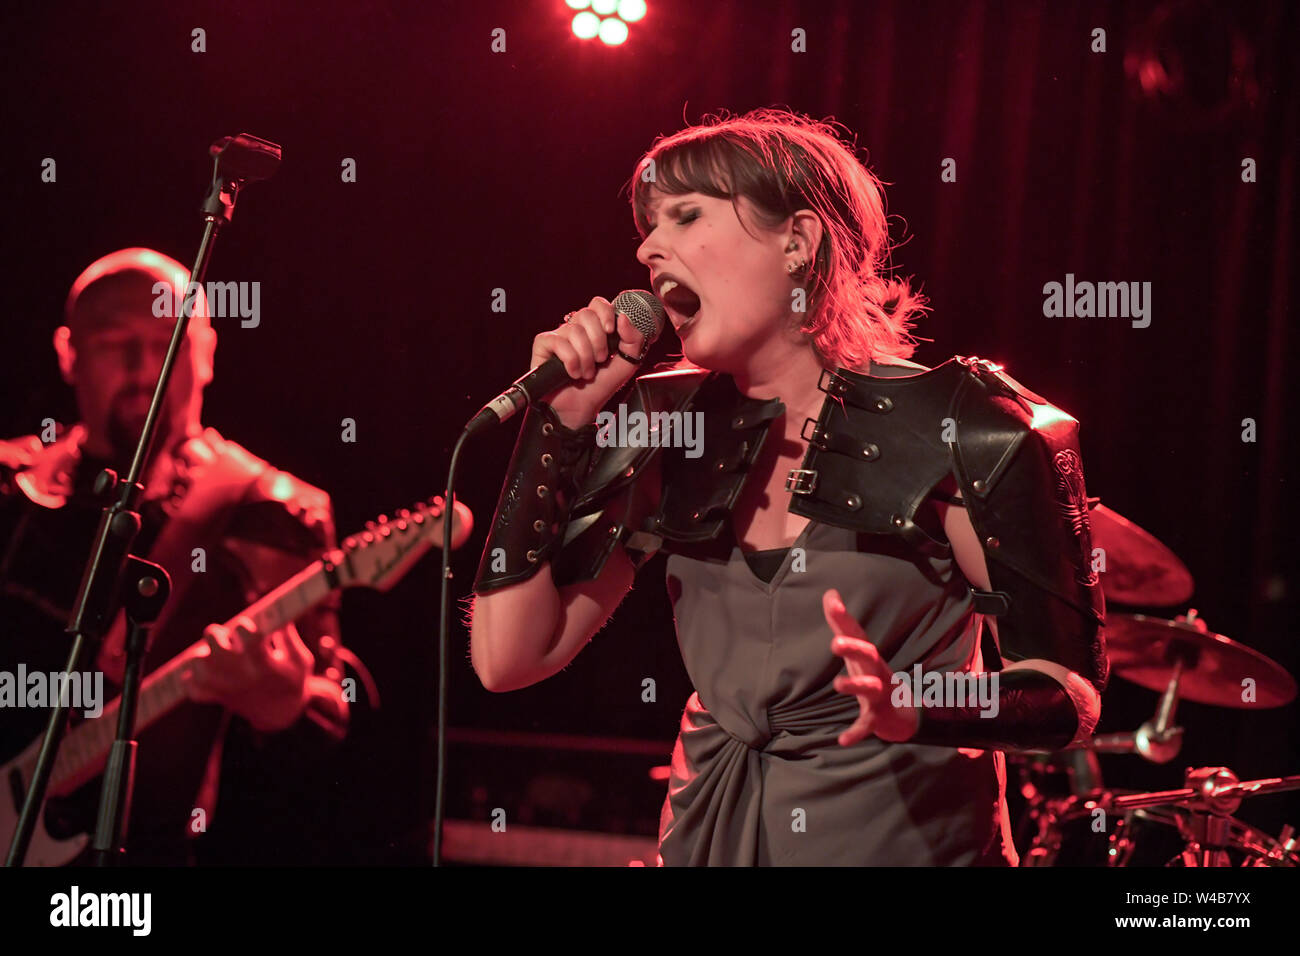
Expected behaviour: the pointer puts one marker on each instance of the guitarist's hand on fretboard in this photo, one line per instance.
(264, 680)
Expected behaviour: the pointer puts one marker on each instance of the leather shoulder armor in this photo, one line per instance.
(877, 449)
(1018, 463)
(605, 511)
(881, 445)
(698, 484)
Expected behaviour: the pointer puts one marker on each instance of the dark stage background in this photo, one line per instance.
(479, 170)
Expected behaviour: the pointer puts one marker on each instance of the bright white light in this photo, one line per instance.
(604, 7)
(586, 25)
(578, 4)
(631, 10)
(613, 31)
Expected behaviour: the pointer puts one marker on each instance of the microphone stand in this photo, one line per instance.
(112, 574)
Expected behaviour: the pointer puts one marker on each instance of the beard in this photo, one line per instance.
(124, 427)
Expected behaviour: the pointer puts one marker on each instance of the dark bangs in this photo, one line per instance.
(709, 162)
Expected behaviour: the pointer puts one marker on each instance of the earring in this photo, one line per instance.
(792, 267)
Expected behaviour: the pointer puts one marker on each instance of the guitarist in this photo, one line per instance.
(227, 527)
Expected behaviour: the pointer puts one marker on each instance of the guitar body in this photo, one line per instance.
(45, 850)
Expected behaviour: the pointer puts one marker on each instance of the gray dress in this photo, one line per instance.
(758, 777)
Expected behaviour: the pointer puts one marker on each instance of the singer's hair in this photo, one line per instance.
(135, 267)
(783, 162)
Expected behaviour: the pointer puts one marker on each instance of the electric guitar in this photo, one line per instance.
(376, 558)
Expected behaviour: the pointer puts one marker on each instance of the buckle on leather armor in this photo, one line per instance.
(818, 437)
(801, 481)
(978, 365)
(833, 384)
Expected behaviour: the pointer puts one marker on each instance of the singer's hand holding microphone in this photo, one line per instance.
(576, 367)
(582, 343)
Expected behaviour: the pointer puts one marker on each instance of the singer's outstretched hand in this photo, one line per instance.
(869, 679)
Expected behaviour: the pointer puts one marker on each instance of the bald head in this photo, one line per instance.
(134, 283)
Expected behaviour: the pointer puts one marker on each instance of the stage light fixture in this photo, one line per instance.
(586, 25)
(631, 10)
(613, 31)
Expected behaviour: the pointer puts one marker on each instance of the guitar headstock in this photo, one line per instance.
(380, 555)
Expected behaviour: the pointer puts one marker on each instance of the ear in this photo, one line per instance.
(806, 234)
(204, 343)
(66, 353)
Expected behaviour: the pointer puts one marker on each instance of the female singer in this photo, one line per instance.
(941, 499)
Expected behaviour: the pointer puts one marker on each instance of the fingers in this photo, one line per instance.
(861, 729)
(580, 339)
(630, 338)
(284, 649)
(864, 685)
(838, 617)
(288, 646)
(597, 320)
(220, 638)
(581, 343)
(306, 659)
(231, 641)
(603, 310)
(850, 641)
(556, 342)
(857, 651)
(572, 345)
(235, 662)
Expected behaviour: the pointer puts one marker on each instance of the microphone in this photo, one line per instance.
(647, 316)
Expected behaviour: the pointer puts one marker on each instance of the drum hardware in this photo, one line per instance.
(1155, 740)
(1212, 795)
(1200, 812)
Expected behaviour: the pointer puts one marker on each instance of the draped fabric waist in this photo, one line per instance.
(798, 722)
(827, 716)
(736, 794)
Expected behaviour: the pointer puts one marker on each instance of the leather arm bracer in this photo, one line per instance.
(1033, 713)
(548, 462)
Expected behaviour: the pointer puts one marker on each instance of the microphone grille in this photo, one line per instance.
(644, 310)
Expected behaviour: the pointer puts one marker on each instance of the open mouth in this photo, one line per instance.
(680, 300)
(681, 322)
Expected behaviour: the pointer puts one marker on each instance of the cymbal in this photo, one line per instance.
(1143, 650)
(1139, 569)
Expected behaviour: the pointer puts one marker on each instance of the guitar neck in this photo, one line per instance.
(85, 748)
